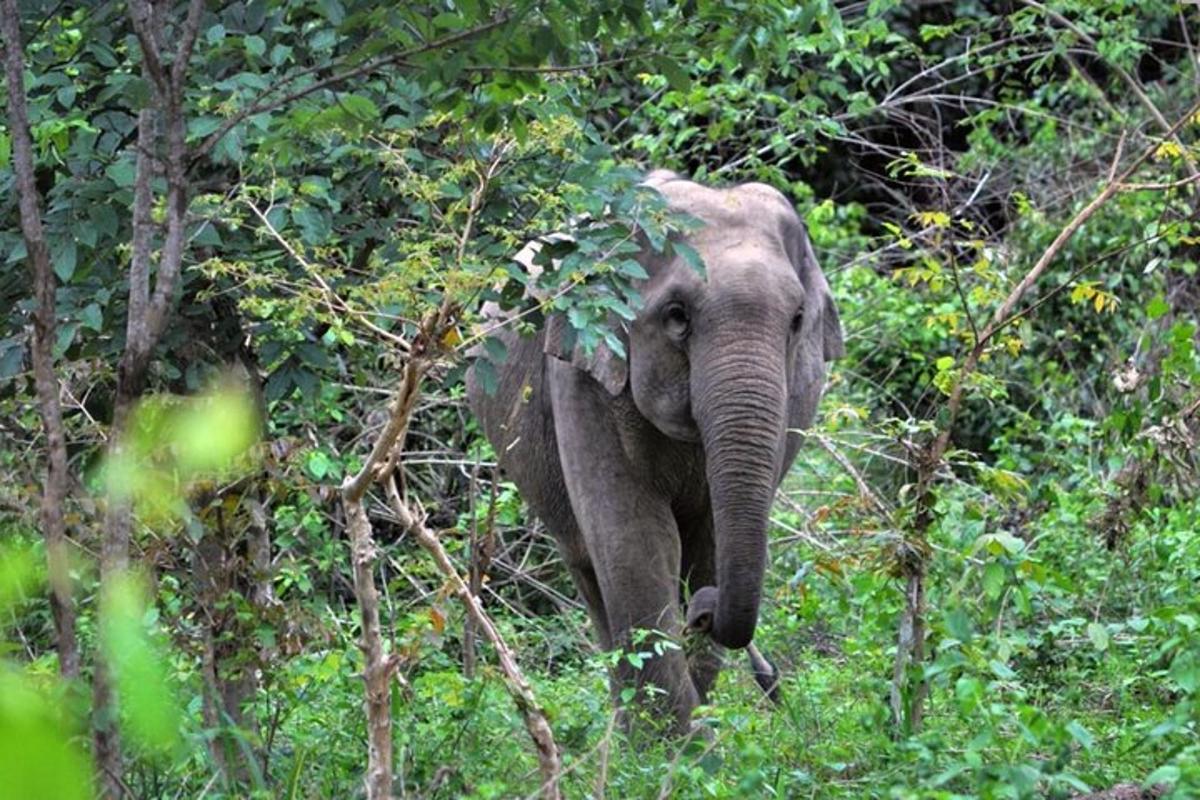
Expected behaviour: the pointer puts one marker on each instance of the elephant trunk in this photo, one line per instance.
(739, 404)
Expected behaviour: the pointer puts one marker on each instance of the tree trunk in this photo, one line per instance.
(161, 142)
(54, 493)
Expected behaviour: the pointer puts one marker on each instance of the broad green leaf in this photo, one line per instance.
(958, 624)
(211, 431)
(254, 45)
(485, 373)
(42, 756)
(1001, 670)
(496, 349)
(1157, 308)
(689, 255)
(318, 464)
(91, 317)
(1081, 735)
(1099, 636)
(993, 579)
(1185, 671)
(968, 690)
(121, 173)
(64, 258)
(148, 706)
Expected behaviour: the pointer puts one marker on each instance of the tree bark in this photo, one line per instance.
(161, 141)
(377, 668)
(54, 493)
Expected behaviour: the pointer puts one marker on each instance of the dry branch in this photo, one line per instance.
(380, 466)
(377, 668)
(514, 680)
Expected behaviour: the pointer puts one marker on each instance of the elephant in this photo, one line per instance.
(655, 473)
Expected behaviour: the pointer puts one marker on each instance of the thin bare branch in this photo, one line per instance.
(332, 299)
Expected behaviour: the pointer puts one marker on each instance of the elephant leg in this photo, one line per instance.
(633, 545)
(589, 589)
(700, 569)
(641, 597)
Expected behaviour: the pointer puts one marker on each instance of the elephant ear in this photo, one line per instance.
(821, 298)
(608, 368)
(603, 364)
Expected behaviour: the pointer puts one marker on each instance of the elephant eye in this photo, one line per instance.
(797, 321)
(676, 320)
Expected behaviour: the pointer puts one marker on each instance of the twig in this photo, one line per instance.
(518, 687)
(863, 489)
(332, 299)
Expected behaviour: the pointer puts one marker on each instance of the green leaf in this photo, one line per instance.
(20, 573)
(689, 255)
(314, 226)
(993, 579)
(1099, 636)
(968, 691)
(485, 373)
(447, 21)
(360, 108)
(64, 258)
(1185, 671)
(318, 464)
(210, 431)
(12, 357)
(1001, 670)
(1166, 774)
(497, 351)
(91, 317)
(676, 75)
(1157, 307)
(1081, 735)
(5, 150)
(958, 623)
(42, 756)
(632, 269)
(65, 337)
(254, 45)
(121, 173)
(150, 711)
(103, 218)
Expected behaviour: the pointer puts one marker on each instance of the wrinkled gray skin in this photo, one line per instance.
(656, 475)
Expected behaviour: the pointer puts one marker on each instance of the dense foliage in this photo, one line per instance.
(352, 166)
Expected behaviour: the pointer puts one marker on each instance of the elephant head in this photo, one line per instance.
(732, 360)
